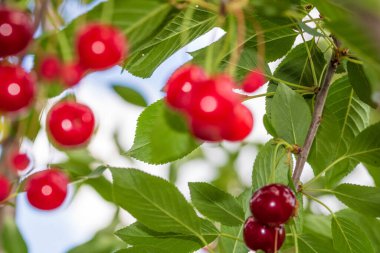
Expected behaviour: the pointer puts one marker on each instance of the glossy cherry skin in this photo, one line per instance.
(50, 68)
(72, 73)
(47, 190)
(20, 161)
(17, 89)
(253, 81)
(100, 46)
(273, 204)
(70, 124)
(238, 125)
(181, 85)
(213, 100)
(16, 31)
(5, 188)
(262, 237)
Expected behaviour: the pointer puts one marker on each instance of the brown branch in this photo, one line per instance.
(317, 114)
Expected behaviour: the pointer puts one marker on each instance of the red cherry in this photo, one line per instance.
(70, 124)
(262, 237)
(50, 68)
(238, 125)
(16, 31)
(17, 89)
(205, 131)
(180, 86)
(47, 190)
(72, 73)
(100, 46)
(213, 100)
(20, 161)
(273, 204)
(5, 188)
(253, 81)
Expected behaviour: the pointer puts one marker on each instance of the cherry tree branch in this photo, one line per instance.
(317, 114)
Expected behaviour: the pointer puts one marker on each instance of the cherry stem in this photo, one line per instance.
(317, 114)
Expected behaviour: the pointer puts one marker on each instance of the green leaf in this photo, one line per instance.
(271, 166)
(366, 146)
(349, 237)
(374, 171)
(315, 243)
(171, 38)
(216, 204)
(317, 224)
(154, 202)
(12, 241)
(142, 249)
(130, 95)
(291, 116)
(360, 83)
(363, 199)
(139, 235)
(161, 136)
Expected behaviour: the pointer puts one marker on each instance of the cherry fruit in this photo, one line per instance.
(47, 190)
(205, 130)
(70, 124)
(273, 204)
(100, 46)
(181, 85)
(261, 237)
(50, 68)
(72, 73)
(20, 161)
(253, 81)
(238, 125)
(5, 188)
(17, 89)
(16, 31)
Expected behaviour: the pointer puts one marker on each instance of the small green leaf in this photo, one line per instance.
(130, 95)
(291, 116)
(154, 202)
(363, 199)
(216, 204)
(12, 241)
(317, 224)
(315, 243)
(349, 237)
(360, 83)
(161, 136)
(142, 249)
(374, 171)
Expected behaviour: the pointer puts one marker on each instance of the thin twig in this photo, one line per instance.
(317, 114)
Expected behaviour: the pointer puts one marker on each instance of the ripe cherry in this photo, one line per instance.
(17, 89)
(70, 124)
(50, 68)
(20, 161)
(262, 237)
(253, 81)
(206, 131)
(181, 84)
(72, 73)
(47, 190)
(273, 204)
(100, 46)
(238, 125)
(16, 31)
(5, 188)
(213, 100)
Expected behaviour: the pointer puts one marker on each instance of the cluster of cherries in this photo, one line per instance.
(212, 108)
(69, 124)
(271, 206)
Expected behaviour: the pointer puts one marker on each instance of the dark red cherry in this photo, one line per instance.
(70, 124)
(273, 204)
(47, 190)
(181, 84)
(72, 73)
(262, 237)
(213, 100)
(205, 131)
(100, 46)
(16, 31)
(238, 125)
(5, 188)
(20, 161)
(253, 81)
(17, 89)
(50, 68)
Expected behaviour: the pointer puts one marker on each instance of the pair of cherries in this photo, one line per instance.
(214, 111)
(271, 206)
